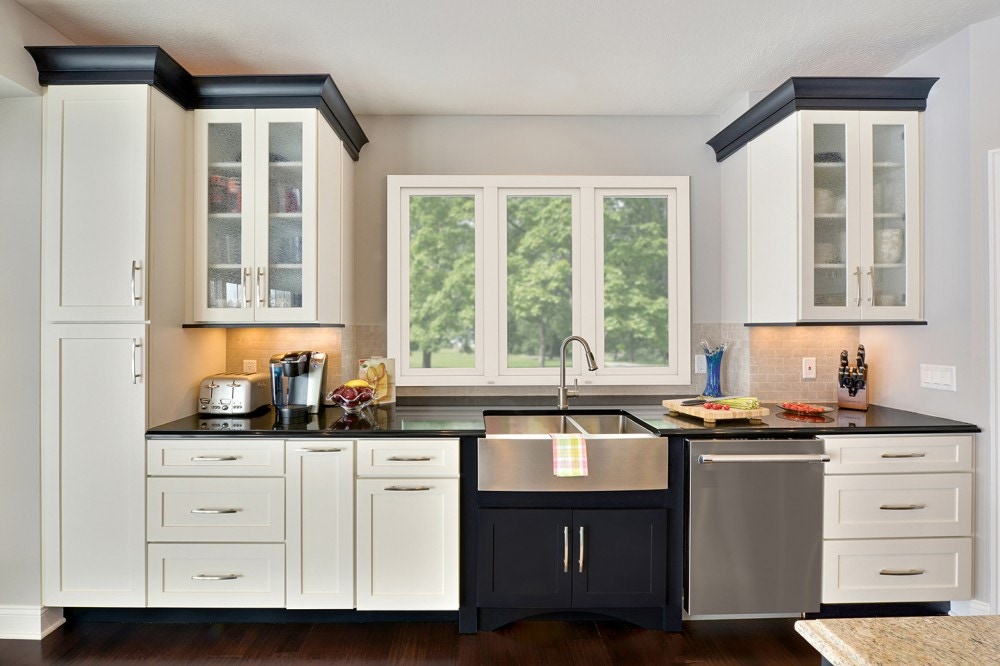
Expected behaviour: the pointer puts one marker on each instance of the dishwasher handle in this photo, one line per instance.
(713, 458)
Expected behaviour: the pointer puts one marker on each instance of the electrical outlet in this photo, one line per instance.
(699, 364)
(808, 368)
(250, 365)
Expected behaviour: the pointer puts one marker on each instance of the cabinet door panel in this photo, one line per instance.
(320, 544)
(525, 558)
(620, 558)
(95, 208)
(93, 536)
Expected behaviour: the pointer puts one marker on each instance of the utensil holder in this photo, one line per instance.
(857, 401)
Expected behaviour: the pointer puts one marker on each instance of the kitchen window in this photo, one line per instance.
(488, 274)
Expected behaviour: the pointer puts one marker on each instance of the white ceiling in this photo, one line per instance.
(528, 57)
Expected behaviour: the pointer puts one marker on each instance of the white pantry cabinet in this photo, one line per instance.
(407, 526)
(273, 208)
(897, 518)
(93, 460)
(835, 218)
(320, 534)
(95, 201)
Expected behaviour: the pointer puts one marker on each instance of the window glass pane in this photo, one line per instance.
(635, 281)
(442, 295)
(539, 279)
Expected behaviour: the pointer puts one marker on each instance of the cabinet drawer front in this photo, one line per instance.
(888, 570)
(217, 575)
(215, 509)
(897, 505)
(193, 457)
(889, 454)
(408, 457)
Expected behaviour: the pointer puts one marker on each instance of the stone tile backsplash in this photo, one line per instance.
(776, 354)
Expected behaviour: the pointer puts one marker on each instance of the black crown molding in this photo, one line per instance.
(65, 65)
(804, 92)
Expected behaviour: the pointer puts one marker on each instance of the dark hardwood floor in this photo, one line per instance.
(551, 643)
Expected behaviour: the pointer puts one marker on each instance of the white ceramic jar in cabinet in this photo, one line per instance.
(835, 218)
(897, 524)
(408, 524)
(273, 212)
(216, 523)
(320, 532)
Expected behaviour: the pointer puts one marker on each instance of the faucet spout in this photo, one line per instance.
(565, 393)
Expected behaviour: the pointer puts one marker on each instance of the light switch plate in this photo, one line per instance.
(937, 377)
(699, 364)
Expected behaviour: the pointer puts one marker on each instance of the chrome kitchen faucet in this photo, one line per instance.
(565, 393)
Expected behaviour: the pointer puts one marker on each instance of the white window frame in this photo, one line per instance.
(491, 287)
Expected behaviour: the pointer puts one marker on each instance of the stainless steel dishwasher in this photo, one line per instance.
(755, 526)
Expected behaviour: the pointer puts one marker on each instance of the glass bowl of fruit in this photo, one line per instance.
(352, 396)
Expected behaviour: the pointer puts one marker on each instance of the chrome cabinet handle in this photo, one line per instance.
(903, 455)
(260, 292)
(136, 267)
(215, 577)
(857, 274)
(566, 549)
(247, 298)
(901, 507)
(581, 548)
(901, 572)
(871, 283)
(318, 450)
(214, 458)
(408, 488)
(709, 458)
(215, 511)
(136, 346)
(410, 458)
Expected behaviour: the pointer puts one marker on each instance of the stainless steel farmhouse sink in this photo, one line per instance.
(622, 452)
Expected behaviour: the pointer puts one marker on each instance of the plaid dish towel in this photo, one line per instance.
(569, 455)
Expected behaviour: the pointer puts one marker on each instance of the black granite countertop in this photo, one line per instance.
(466, 420)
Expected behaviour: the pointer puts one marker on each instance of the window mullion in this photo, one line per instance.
(587, 246)
(493, 307)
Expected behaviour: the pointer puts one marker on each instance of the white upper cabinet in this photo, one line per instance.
(95, 204)
(834, 211)
(271, 210)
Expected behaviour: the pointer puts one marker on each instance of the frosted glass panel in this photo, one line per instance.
(889, 203)
(831, 276)
(225, 215)
(284, 249)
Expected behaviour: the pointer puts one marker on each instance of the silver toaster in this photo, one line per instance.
(233, 393)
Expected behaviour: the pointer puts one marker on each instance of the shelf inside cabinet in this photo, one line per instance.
(225, 165)
(888, 165)
(286, 165)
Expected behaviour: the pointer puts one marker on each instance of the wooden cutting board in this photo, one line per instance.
(712, 415)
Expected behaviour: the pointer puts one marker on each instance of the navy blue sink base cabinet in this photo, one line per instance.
(571, 555)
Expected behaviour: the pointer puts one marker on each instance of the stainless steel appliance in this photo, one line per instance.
(232, 393)
(297, 383)
(755, 526)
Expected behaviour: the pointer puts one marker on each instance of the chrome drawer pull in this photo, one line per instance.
(410, 458)
(318, 450)
(408, 488)
(136, 267)
(901, 507)
(248, 297)
(903, 455)
(581, 548)
(215, 577)
(214, 458)
(900, 572)
(708, 458)
(215, 511)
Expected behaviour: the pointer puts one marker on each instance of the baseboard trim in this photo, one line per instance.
(30, 623)
(973, 607)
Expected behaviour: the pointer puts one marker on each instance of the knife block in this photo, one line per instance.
(857, 401)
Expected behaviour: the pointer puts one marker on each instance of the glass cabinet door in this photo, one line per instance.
(286, 243)
(891, 250)
(830, 248)
(225, 218)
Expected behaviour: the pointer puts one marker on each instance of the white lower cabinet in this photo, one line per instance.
(320, 535)
(217, 575)
(897, 523)
(407, 528)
